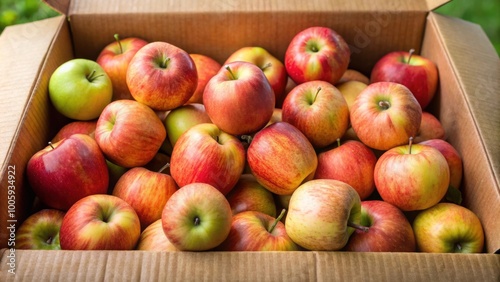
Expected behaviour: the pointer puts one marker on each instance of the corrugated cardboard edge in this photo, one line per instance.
(248, 266)
(474, 70)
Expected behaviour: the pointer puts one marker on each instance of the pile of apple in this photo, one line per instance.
(174, 151)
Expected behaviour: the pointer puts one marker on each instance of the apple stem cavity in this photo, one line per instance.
(196, 221)
(409, 57)
(50, 144)
(167, 165)
(358, 226)
(277, 220)
(410, 142)
(384, 105)
(117, 38)
(233, 77)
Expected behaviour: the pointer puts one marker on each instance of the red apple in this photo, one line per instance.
(272, 67)
(317, 109)
(351, 162)
(154, 239)
(40, 231)
(197, 217)
(206, 154)
(430, 128)
(317, 53)
(83, 127)
(385, 115)
(412, 177)
(249, 195)
(455, 165)
(448, 228)
(320, 213)
(417, 73)
(353, 75)
(387, 230)
(256, 231)
(281, 158)
(100, 222)
(66, 171)
(162, 76)
(115, 58)
(206, 68)
(129, 133)
(239, 98)
(146, 191)
(184, 117)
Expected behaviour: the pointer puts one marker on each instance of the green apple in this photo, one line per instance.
(448, 228)
(80, 89)
(40, 231)
(183, 118)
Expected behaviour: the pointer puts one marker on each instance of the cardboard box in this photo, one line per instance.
(467, 105)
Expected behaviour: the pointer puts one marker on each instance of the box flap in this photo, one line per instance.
(160, 6)
(247, 266)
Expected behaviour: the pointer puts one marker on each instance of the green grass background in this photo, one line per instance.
(483, 12)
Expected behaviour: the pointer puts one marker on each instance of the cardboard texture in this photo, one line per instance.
(467, 105)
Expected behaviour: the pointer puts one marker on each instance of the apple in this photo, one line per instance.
(129, 133)
(114, 58)
(412, 177)
(197, 217)
(273, 68)
(40, 231)
(430, 128)
(257, 231)
(114, 172)
(154, 239)
(249, 195)
(281, 158)
(351, 162)
(184, 117)
(162, 76)
(83, 127)
(388, 230)
(80, 89)
(417, 73)
(146, 191)
(448, 228)
(455, 164)
(353, 75)
(385, 115)
(100, 222)
(206, 68)
(317, 109)
(350, 90)
(321, 213)
(239, 98)
(205, 153)
(317, 53)
(66, 171)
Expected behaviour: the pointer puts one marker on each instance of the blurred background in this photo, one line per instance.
(483, 12)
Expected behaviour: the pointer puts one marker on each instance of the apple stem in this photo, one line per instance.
(317, 92)
(277, 220)
(268, 65)
(196, 221)
(91, 76)
(164, 167)
(409, 57)
(50, 144)
(164, 63)
(247, 138)
(49, 240)
(338, 142)
(458, 247)
(231, 73)
(117, 38)
(358, 226)
(410, 142)
(384, 104)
